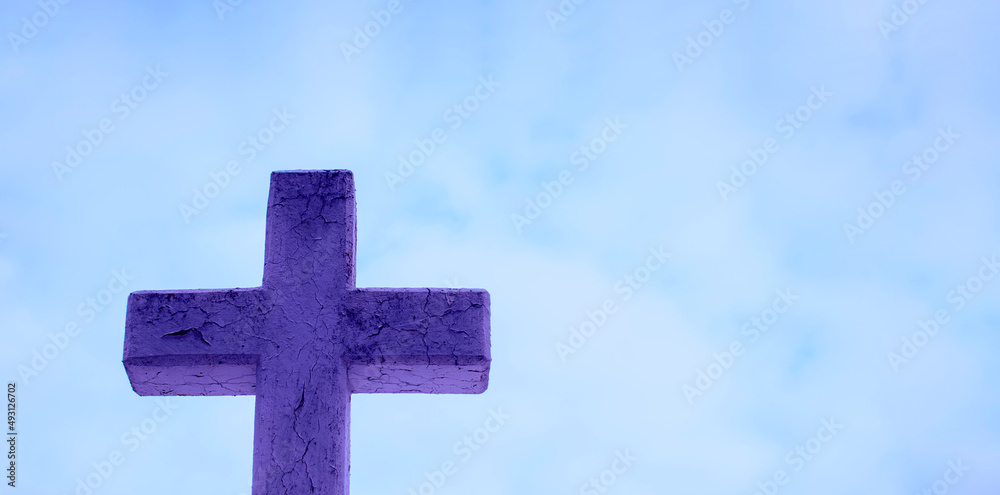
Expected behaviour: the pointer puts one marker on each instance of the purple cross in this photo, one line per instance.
(307, 339)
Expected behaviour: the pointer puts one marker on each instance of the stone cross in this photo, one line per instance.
(306, 339)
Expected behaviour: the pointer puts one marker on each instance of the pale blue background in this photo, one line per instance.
(449, 223)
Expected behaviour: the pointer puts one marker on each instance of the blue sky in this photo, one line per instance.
(600, 96)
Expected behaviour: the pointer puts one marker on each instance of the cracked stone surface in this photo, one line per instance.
(306, 339)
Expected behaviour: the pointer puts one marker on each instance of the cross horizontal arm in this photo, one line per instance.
(193, 342)
(418, 340)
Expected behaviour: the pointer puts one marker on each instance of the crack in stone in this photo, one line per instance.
(182, 333)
